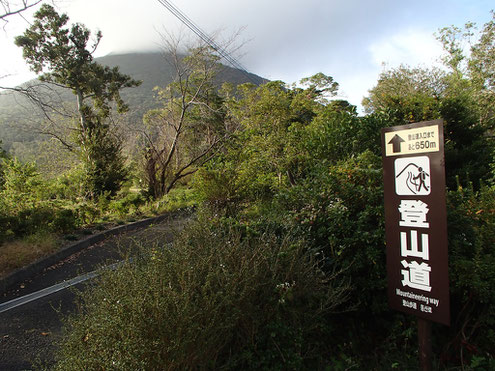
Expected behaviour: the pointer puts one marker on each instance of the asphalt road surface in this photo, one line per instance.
(29, 332)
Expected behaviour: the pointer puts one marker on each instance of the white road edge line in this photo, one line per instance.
(17, 302)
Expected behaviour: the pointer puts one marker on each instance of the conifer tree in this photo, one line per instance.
(61, 56)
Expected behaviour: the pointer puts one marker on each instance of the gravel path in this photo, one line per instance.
(28, 334)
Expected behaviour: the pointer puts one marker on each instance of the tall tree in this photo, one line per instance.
(408, 94)
(190, 126)
(61, 56)
(470, 56)
(267, 152)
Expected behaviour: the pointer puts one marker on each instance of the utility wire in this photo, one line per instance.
(203, 36)
(189, 23)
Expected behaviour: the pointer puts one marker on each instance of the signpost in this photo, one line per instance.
(416, 225)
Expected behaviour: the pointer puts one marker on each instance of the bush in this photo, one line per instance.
(65, 220)
(129, 203)
(46, 216)
(24, 211)
(214, 300)
(69, 186)
(178, 198)
(218, 188)
(471, 227)
(87, 212)
(31, 220)
(340, 212)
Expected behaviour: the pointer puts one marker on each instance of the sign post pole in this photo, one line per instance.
(424, 341)
(416, 226)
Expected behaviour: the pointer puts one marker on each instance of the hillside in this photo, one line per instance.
(17, 117)
(154, 70)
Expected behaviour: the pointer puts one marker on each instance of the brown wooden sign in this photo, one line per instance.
(415, 220)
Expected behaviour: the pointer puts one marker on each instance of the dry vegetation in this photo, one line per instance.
(17, 254)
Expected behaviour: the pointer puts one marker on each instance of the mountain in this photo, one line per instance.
(154, 69)
(17, 116)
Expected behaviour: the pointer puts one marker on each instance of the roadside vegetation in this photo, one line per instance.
(285, 266)
(39, 216)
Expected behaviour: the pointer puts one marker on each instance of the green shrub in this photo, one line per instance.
(69, 186)
(7, 223)
(218, 188)
(30, 220)
(25, 207)
(87, 212)
(471, 231)
(128, 204)
(22, 187)
(179, 198)
(65, 220)
(340, 213)
(213, 300)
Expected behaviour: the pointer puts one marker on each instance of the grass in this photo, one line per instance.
(19, 253)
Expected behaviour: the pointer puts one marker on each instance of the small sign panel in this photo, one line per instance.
(415, 220)
(412, 141)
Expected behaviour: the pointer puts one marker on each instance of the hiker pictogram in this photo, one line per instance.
(412, 176)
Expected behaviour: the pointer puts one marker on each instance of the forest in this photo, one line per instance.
(284, 265)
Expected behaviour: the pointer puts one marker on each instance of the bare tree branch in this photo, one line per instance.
(10, 8)
(43, 96)
(67, 145)
(45, 99)
(189, 130)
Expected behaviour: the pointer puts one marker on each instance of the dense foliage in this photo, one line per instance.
(220, 298)
(285, 266)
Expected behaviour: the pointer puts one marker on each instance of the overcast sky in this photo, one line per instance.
(287, 40)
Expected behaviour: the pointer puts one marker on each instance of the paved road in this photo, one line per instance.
(28, 333)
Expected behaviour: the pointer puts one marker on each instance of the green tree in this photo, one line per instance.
(281, 129)
(472, 65)
(408, 94)
(272, 117)
(464, 96)
(22, 184)
(62, 56)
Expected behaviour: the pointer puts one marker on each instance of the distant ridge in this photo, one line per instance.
(150, 67)
(154, 70)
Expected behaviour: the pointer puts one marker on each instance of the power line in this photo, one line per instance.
(189, 23)
(203, 36)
